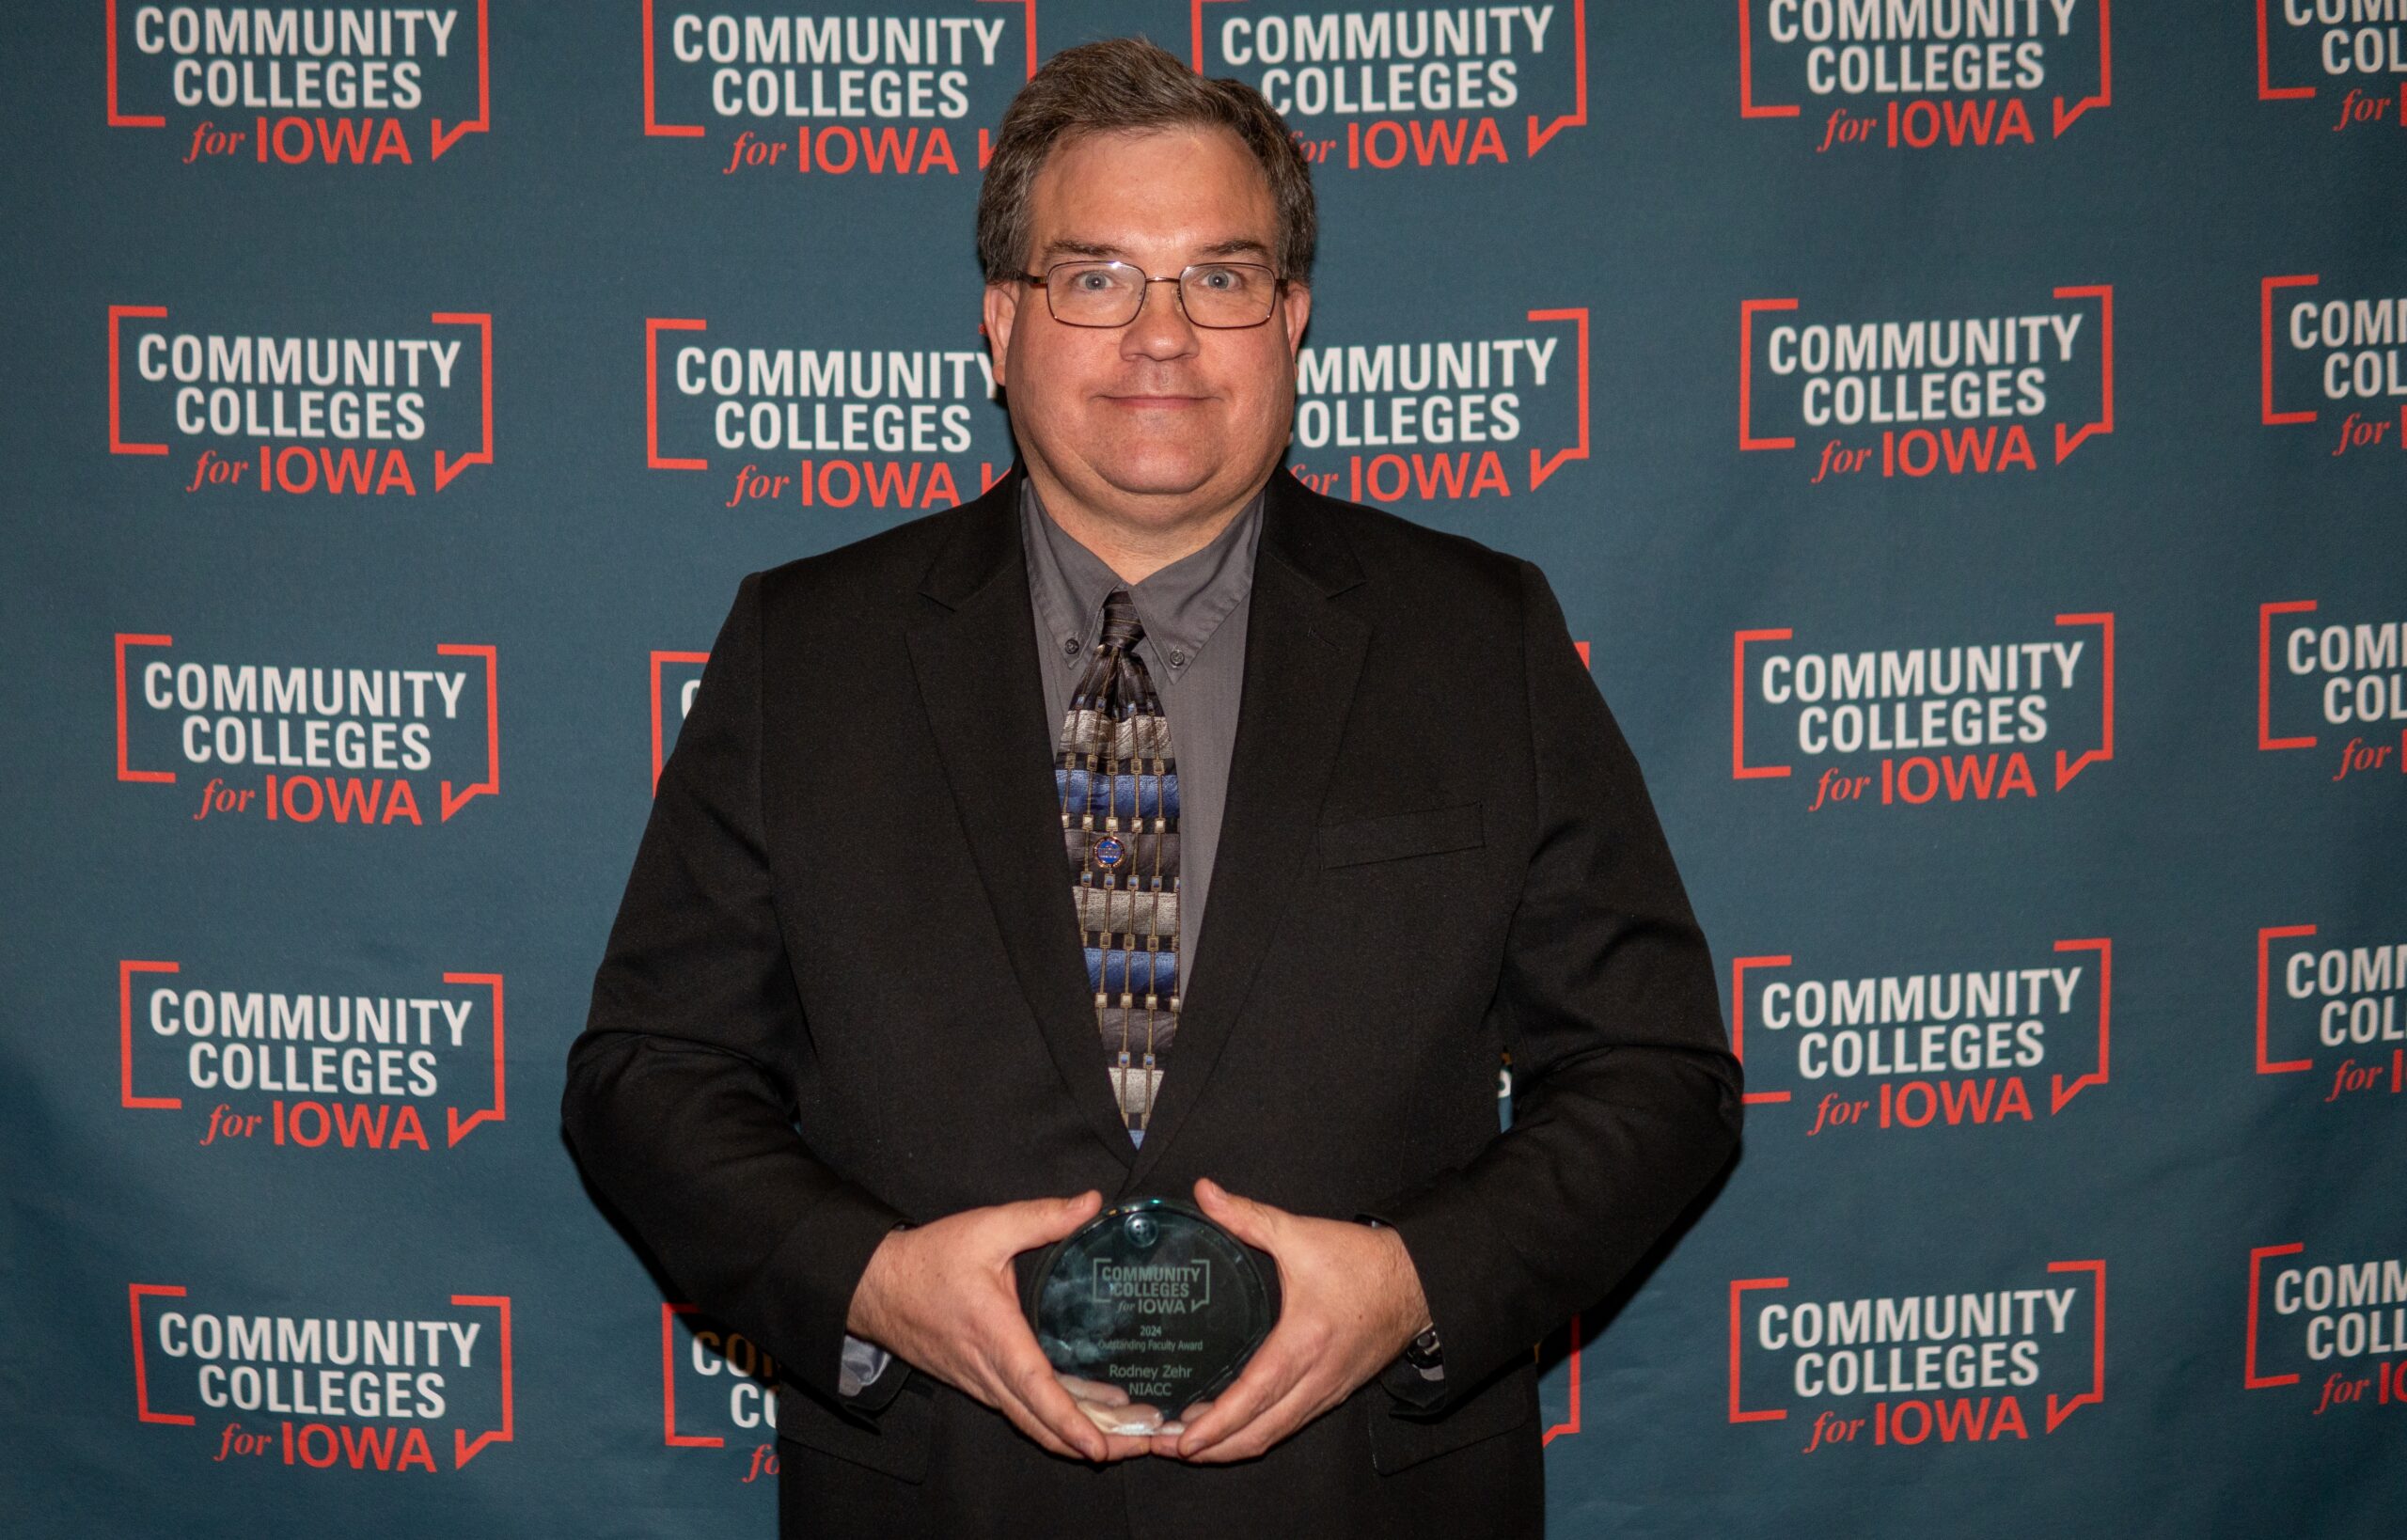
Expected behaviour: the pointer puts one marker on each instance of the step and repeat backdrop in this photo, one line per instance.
(1966, 434)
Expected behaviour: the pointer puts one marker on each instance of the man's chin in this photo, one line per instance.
(1160, 475)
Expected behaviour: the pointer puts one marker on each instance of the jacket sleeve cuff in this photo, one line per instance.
(806, 1295)
(1451, 1248)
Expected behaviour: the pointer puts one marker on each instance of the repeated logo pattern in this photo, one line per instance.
(1964, 434)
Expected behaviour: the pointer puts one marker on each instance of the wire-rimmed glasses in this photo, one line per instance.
(1220, 295)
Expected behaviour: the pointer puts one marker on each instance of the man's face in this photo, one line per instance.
(1159, 420)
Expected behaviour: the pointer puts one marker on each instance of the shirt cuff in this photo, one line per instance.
(1417, 1388)
(859, 1365)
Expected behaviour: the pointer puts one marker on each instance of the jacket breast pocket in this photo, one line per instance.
(1393, 837)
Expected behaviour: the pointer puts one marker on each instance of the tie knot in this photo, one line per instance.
(1121, 627)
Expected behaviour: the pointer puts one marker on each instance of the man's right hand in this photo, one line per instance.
(943, 1297)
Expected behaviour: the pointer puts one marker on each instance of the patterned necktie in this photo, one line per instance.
(1119, 790)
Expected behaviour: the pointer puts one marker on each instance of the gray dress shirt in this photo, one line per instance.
(1194, 615)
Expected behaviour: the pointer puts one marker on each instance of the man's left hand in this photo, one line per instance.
(1350, 1300)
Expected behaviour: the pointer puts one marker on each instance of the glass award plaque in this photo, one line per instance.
(1154, 1298)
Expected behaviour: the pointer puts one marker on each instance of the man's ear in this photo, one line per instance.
(1002, 310)
(1294, 310)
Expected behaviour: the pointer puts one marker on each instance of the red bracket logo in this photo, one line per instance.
(2266, 937)
(2250, 1377)
(659, 752)
(2059, 1405)
(457, 1127)
(1739, 1287)
(1739, 768)
(2265, 333)
(652, 459)
(2104, 752)
(654, 128)
(2059, 1409)
(1539, 131)
(440, 139)
(2061, 116)
(447, 465)
(2265, 613)
(1543, 465)
(670, 1435)
(1739, 968)
(463, 1447)
(492, 783)
(2068, 436)
(2059, 1093)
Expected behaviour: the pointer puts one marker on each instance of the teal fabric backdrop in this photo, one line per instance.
(1966, 434)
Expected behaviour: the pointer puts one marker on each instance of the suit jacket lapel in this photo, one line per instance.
(975, 657)
(1303, 655)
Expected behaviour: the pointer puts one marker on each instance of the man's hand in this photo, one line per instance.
(1350, 1300)
(942, 1297)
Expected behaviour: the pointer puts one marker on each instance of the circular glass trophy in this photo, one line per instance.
(1154, 1298)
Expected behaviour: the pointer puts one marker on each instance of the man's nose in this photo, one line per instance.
(1161, 329)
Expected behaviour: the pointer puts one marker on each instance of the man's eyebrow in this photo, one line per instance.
(1243, 243)
(1079, 248)
(1235, 246)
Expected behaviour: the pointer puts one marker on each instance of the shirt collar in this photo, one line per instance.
(1180, 606)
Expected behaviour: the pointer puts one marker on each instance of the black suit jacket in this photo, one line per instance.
(845, 991)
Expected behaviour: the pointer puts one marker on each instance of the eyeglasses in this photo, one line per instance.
(1221, 295)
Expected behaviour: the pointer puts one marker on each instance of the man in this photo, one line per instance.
(916, 968)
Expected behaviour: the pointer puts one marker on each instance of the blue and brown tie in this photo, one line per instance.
(1118, 786)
